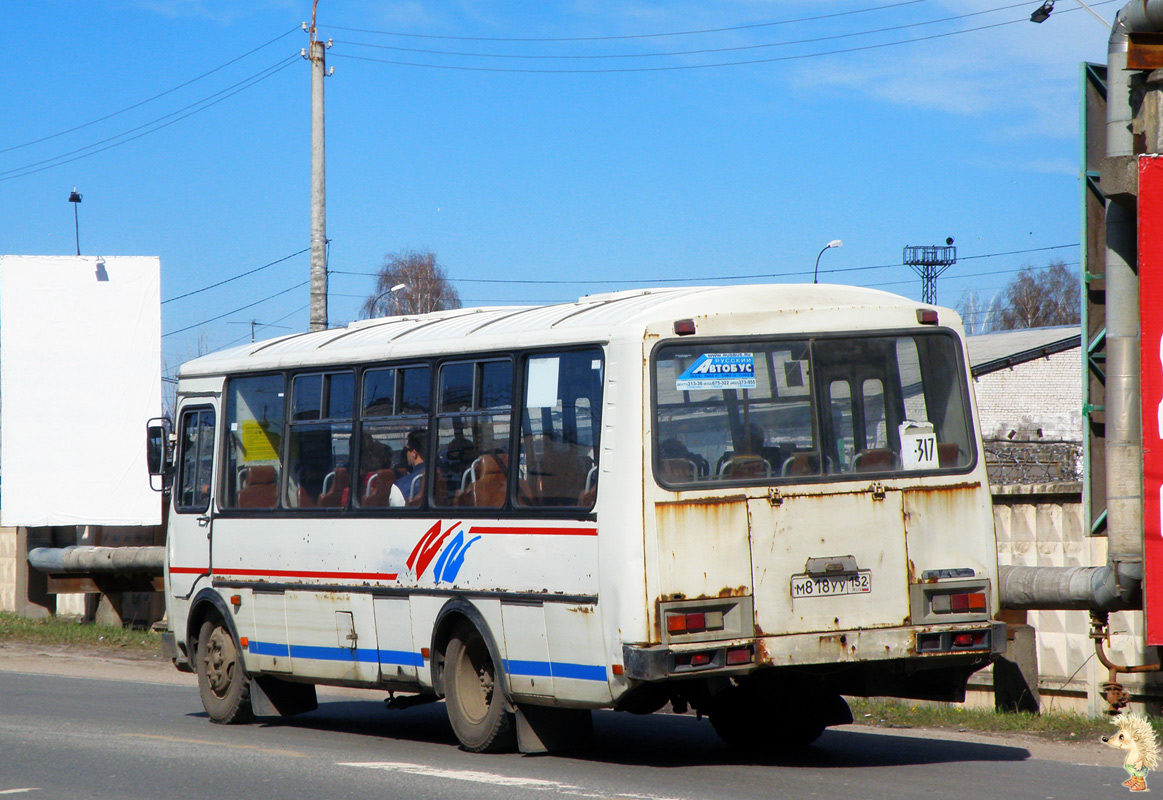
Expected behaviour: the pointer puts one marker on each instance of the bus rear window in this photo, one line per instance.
(757, 412)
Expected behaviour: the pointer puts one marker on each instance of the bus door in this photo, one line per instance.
(188, 540)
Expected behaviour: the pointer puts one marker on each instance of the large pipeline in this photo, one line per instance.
(1059, 588)
(124, 560)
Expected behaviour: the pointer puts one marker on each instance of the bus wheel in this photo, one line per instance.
(745, 722)
(473, 695)
(222, 682)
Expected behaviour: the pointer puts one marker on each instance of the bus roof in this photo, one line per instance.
(592, 318)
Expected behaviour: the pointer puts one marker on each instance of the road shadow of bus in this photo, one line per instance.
(668, 740)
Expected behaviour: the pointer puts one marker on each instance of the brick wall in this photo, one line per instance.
(1040, 395)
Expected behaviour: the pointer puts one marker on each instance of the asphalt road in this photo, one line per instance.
(73, 737)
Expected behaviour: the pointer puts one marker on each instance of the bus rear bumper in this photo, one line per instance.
(741, 656)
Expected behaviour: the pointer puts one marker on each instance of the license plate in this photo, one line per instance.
(809, 586)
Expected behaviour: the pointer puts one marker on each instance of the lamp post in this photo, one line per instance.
(828, 246)
(381, 295)
(75, 199)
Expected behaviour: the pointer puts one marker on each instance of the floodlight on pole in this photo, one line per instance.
(828, 246)
(1043, 12)
(75, 199)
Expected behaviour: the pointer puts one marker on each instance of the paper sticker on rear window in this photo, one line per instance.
(719, 371)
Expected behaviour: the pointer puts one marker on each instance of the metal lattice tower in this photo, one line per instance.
(929, 262)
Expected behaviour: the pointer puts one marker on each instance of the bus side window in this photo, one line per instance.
(395, 403)
(560, 425)
(254, 423)
(319, 441)
(195, 461)
(472, 427)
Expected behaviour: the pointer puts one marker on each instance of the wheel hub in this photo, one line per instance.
(219, 661)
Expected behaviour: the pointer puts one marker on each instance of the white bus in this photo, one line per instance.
(745, 500)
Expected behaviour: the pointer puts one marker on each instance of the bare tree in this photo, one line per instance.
(977, 315)
(1037, 299)
(425, 287)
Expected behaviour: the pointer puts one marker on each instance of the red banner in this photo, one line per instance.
(1151, 383)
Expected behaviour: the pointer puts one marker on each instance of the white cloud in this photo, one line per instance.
(1024, 75)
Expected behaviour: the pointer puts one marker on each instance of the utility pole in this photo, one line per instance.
(318, 306)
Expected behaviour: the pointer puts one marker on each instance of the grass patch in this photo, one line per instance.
(52, 630)
(1059, 727)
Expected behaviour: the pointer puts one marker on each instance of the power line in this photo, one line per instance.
(628, 36)
(712, 278)
(267, 325)
(813, 40)
(677, 67)
(150, 99)
(235, 311)
(56, 161)
(236, 277)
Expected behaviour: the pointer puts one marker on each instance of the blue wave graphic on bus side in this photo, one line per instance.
(452, 559)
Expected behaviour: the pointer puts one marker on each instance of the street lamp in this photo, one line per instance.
(381, 295)
(75, 199)
(828, 246)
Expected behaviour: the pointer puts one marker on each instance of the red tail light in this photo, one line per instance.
(739, 655)
(965, 602)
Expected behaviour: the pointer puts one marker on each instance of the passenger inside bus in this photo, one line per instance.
(412, 484)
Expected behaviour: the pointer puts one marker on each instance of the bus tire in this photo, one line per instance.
(474, 695)
(222, 681)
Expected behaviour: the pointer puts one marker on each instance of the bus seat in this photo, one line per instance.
(590, 493)
(261, 490)
(337, 485)
(560, 476)
(875, 459)
(745, 466)
(379, 489)
(800, 464)
(487, 485)
(948, 455)
(418, 497)
(305, 498)
(678, 470)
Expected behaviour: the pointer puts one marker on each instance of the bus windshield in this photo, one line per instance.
(812, 408)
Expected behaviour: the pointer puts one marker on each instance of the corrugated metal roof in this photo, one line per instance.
(992, 351)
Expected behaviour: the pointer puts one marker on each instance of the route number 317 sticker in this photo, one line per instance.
(918, 446)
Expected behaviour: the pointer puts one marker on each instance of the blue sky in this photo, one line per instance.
(880, 122)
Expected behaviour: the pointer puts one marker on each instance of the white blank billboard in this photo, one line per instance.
(80, 374)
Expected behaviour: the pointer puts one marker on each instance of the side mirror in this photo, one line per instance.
(157, 452)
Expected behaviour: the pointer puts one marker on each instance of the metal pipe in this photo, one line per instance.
(1124, 450)
(1066, 588)
(129, 560)
(1116, 695)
